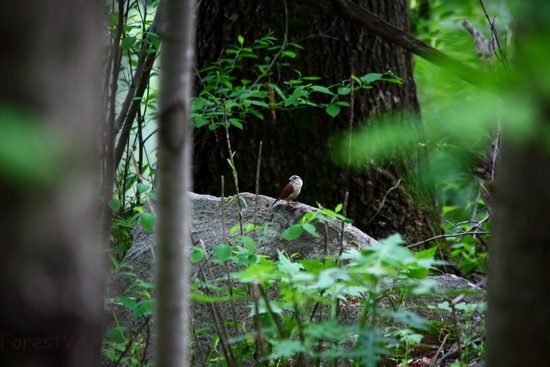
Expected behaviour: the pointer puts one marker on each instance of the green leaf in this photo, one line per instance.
(257, 103)
(326, 278)
(147, 221)
(250, 227)
(234, 229)
(223, 252)
(144, 307)
(338, 208)
(248, 242)
(344, 91)
(286, 266)
(293, 232)
(127, 302)
(141, 188)
(409, 336)
(441, 306)
(342, 103)
(257, 114)
(426, 254)
(241, 40)
(287, 348)
(310, 228)
(409, 318)
(296, 94)
(289, 54)
(114, 204)
(393, 240)
(265, 269)
(320, 89)
(333, 110)
(197, 254)
(236, 122)
(278, 90)
(116, 334)
(370, 78)
(128, 43)
(144, 284)
(249, 55)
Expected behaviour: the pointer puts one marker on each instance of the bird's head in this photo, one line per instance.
(296, 181)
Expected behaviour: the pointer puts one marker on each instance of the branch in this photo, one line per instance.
(388, 32)
(449, 236)
(132, 103)
(144, 54)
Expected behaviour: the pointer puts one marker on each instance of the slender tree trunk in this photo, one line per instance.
(174, 166)
(52, 282)
(519, 280)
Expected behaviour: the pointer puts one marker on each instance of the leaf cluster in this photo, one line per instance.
(302, 300)
(226, 98)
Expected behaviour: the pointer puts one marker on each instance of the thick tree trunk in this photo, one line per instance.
(299, 141)
(519, 280)
(52, 281)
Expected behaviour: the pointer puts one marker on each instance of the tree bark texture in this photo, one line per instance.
(301, 141)
(52, 282)
(519, 280)
(174, 167)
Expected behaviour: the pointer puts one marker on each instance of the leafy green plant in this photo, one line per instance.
(225, 98)
(298, 301)
(468, 336)
(128, 210)
(121, 344)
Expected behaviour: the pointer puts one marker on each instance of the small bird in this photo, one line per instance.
(291, 191)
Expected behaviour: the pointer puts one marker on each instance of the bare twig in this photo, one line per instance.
(384, 201)
(198, 351)
(257, 186)
(501, 56)
(131, 341)
(147, 344)
(434, 359)
(458, 339)
(257, 323)
(325, 255)
(222, 203)
(132, 102)
(348, 168)
(218, 324)
(233, 167)
(227, 269)
(458, 349)
(276, 57)
(271, 313)
(231, 302)
(109, 158)
(140, 177)
(448, 236)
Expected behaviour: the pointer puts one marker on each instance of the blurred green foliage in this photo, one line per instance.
(459, 121)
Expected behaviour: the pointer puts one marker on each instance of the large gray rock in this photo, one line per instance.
(207, 231)
(206, 226)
